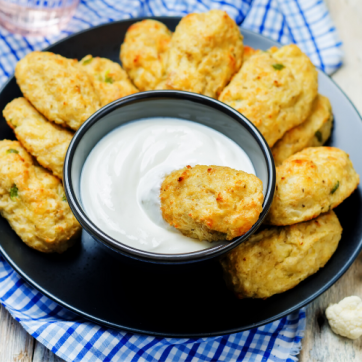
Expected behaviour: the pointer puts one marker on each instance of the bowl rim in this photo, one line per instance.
(147, 256)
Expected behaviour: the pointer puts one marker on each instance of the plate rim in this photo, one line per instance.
(102, 322)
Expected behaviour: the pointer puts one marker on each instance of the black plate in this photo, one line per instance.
(193, 302)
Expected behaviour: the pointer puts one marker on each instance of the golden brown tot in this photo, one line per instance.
(277, 259)
(211, 202)
(33, 201)
(311, 182)
(57, 87)
(313, 132)
(44, 140)
(144, 51)
(206, 50)
(274, 89)
(109, 80)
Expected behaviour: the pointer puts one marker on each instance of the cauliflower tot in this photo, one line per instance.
(211, 202)
(33, 202)
(143, 53)
(314, 132)
(311, 182)
(57, 87)
(44, 140)
(206, 50)
(274, 89)
(277, 259)
(109, 80)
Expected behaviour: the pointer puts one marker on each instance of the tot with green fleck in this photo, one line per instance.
(57, 87)
(109, 80)
(32, 201)
(277, 259)
(274, 89)
(314, 132)
(311, 182)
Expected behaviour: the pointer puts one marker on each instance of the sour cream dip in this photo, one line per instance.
(122, 176)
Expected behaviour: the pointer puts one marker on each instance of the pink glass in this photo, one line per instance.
(36, 17)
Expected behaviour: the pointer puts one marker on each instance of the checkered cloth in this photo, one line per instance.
(305, 22)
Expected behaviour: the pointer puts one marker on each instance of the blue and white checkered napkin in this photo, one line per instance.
(305, 22)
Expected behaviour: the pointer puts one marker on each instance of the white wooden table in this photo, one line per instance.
(319, 343)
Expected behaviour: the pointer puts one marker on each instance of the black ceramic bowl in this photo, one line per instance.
(177, 104)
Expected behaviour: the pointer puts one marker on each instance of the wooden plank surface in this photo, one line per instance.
(319, 343)
(15, 344)
(42, 354)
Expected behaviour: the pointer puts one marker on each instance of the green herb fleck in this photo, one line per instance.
(107, 78)
(87, 61)
(13, 192)
(12, 123)
(64, 198)
(318, 134)
(278, 66)
(12, 150)
(335, 187)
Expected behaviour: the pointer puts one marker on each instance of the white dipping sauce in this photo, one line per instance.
(122, 176)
